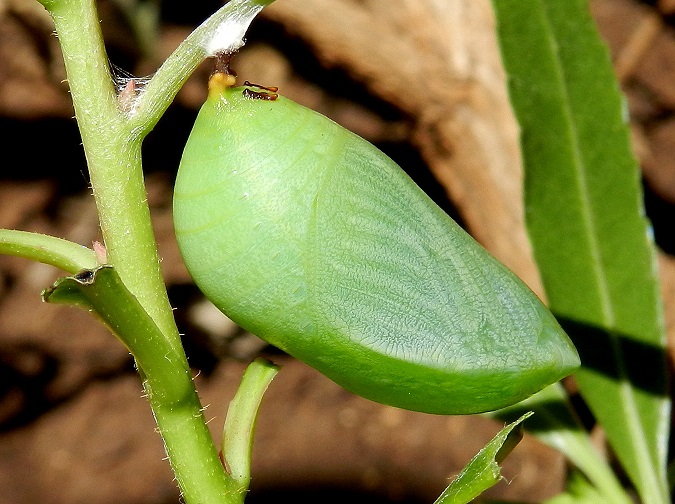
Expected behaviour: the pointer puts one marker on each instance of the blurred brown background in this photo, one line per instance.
(423, 81)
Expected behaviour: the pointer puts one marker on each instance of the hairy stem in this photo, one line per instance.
(114, 161)
(112, 130)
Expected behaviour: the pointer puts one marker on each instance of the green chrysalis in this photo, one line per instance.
(311, 238)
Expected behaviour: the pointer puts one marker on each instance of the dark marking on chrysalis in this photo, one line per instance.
(271, 89)
(260, 95)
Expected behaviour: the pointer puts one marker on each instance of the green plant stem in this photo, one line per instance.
(112, 140)
(112, 136)
(58, 252)
(168, 382)
(114, 159)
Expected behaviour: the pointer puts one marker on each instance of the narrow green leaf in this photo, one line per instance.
(483, 471)
(586, 221)
(241, 417)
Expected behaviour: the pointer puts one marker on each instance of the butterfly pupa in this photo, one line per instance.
(314, 240)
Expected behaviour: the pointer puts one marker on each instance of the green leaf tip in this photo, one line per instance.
(241, 418)
(483, 470)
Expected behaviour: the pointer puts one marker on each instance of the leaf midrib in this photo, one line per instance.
(639, 442)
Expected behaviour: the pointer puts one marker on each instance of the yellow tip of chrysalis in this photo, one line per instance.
(219, 82)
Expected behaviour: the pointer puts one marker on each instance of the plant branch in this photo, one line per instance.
(112, 134)
(114, 161)
(222, 32)
(63, 254)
